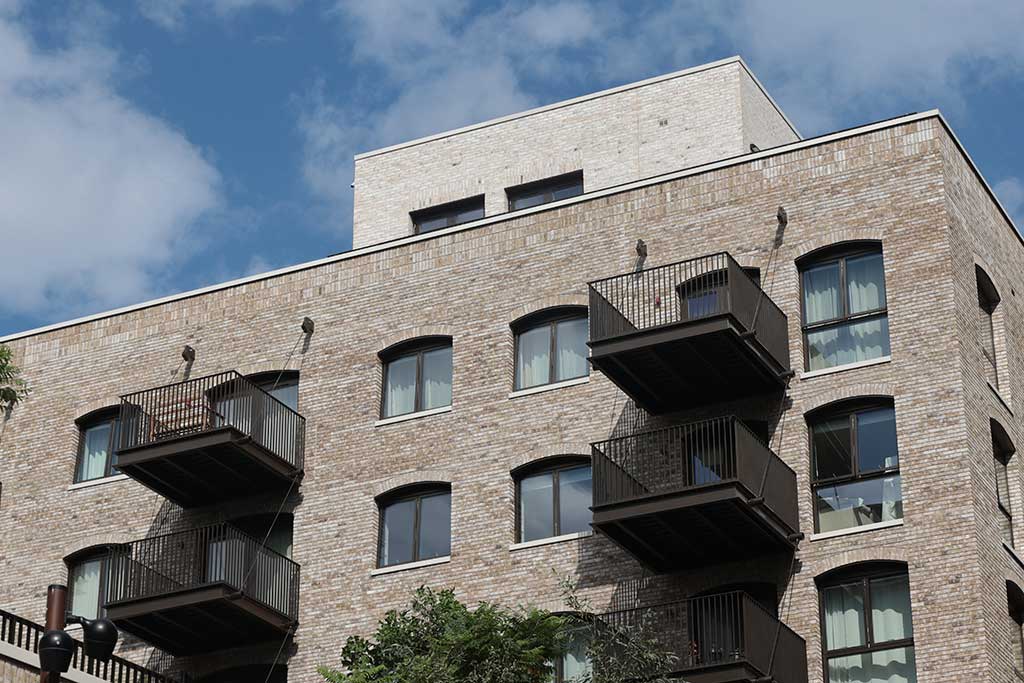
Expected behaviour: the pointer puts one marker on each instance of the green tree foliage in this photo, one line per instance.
(12, 387)
(440, 640)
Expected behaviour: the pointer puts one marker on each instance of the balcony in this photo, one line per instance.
(210, 439)
(694, 494)
(689, 333)
(723, 638)
(202, 590)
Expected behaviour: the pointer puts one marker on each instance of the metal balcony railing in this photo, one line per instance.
(683, 292)
(196, 406)
(714, 631)
(211, 555)
(691, 456)
(24, 634)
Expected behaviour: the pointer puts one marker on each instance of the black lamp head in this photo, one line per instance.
(100, 637)
(56, 648)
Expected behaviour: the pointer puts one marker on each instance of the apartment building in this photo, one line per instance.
(757, 392)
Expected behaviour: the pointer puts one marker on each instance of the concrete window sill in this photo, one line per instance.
(380, 571)
(549, 387)
(412, 416)
(97, 482)
(857, 529)
(549, 541)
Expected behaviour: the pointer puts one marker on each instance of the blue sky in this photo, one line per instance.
(154, 146)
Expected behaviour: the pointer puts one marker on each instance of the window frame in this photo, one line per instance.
(271, 380)
(549, 317)
(415, 492)
(417, 347)
(449, 209)
(850, 409)
(1015, 610)
(1003, 451)
(988, 301)
(545, 187)
(839, 254)
(107, 415)
(554, 466)
(93, 553)
(863, 574)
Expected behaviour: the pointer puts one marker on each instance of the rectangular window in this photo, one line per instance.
(97, 455)
(417, 381)
(85, 583)
(856, 469)
(554, 502)
(545, 191)
(447, 215)
(552, 350)
(415, 528)
(844, 311)
(986, 328)
(1003, 497)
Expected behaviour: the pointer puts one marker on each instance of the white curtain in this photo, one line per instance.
(437, 378)
(821, 293)
(849, 343)
(865, 283)
(890, 609)
(571, 340)
(533, 360)
(844, 617)
(400, 392)
(575, 662)
(888, 666)
(892, 499)
(95, 447)
(85, 588)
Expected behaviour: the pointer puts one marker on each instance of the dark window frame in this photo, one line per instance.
(863, 574)
(275, 379)
(405, 349)
(546, 188)
(849, 409)
(449, 209)
(988, 301)
(415, 492)
(553, 465)
(550, 317)
(108, 415)
(1003, 451)
(101, 553)
(1015, 608)
(838, 254)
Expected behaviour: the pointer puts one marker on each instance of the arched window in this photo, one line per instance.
(551, 346)
(988, 299)
(281, 384)
(1015, 604)
(1002, 451)
(97, 444)
(868, 631)
(855, 465)
(415, 524)
(278, 530)
(845, 319)
(88, 574)
(417, 376)
(553, 498)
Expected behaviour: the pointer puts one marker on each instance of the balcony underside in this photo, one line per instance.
(207, 467)
(687, 364)
(730, 672)
(198, 620)
(693, 528)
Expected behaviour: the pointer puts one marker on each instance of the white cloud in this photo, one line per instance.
(98, 199)
(1011, 193)
(171, 14)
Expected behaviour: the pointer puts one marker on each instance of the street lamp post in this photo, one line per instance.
(56, 647)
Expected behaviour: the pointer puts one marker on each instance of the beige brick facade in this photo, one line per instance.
(905, 183)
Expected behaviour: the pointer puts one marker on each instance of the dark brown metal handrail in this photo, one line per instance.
(207, 556)
(687, 291)
(690, 456)
(716, 630)
(205, 404)
(24, 634)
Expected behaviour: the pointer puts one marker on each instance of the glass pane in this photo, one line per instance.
(435, 526)
(848, 343)
(400, 387)
(890, 609)
(567, 191)
(435, 223)
(876, 440)
(437, 378)
(468, 215)
(571, 349)
(841, 506)
(396, 539)
(533, 357)
(95, 444)
(821, 293)
(525, 201)
(888, 666)
(1002, 482)
(831, 443)
(574, 497)
(287, 394)
(536, 507)
(85, 588)
(844, 616)
(865, 283)
(280, 538)
(575, 662)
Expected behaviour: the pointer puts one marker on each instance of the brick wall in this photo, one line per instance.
(904, 185)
